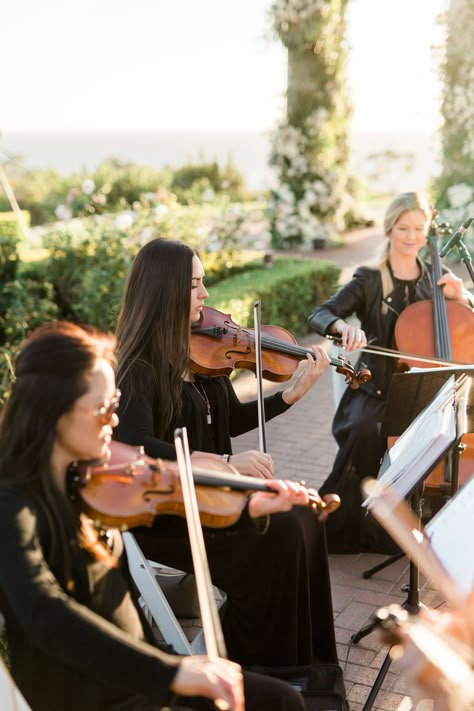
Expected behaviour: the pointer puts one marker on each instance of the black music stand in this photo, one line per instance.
(408, 394)
(408, 479)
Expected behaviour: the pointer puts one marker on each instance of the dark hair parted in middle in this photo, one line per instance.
(153, 325)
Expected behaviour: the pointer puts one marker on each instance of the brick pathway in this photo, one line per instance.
(302, 447)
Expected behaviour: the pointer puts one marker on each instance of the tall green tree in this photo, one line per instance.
(310, 149)
(455, 186)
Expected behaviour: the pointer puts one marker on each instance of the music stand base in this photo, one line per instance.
(413, 605)
(378, 683)
(413, 608)
(380, 566)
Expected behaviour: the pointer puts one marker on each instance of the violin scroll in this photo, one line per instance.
(353, 378)
(330, 503)
(327, 504)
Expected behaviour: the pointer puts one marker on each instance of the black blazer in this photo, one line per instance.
(363, 297)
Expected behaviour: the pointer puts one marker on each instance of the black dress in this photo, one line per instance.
(279, 607)
(356, 424)
(86, 648)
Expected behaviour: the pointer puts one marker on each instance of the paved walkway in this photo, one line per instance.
(302, 447)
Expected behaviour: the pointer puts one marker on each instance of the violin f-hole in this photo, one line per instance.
(148, 493)
(231, 352)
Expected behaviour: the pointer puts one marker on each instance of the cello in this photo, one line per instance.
(444, 329)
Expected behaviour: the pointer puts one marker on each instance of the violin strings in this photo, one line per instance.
(284, 347)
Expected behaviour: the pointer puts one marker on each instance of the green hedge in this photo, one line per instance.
(9, 227)
(289, 290)
(84, 283)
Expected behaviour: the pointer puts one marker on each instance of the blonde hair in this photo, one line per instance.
(403, 202)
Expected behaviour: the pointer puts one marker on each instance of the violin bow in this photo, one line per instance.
(262, 438)
(211, 624)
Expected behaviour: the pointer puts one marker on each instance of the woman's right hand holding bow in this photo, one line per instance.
(352, 337)
(215, 678)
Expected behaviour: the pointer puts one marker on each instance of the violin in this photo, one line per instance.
(131, 489)
(438, 666)
(219, 346)
(445, 660)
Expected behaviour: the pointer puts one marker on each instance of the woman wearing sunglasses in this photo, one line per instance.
(76, 637)
(279, 609)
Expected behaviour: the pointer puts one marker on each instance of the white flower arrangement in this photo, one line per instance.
(459, 195)
(63, 212)
(124, 220)
(88, 186)
(308, 187)
(461, 204)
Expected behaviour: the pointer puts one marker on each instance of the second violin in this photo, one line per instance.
(219, 346)
(131, 489)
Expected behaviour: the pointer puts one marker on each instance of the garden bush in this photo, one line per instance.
(89, 259)
(207, 177)
(289, 291)
(9, 227)
(117, 185)
(26, 303)
(84, 283)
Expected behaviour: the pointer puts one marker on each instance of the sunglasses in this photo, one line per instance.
(105, 413)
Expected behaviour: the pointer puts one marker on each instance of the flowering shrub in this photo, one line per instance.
(90, 258)
(311, 191)
(116, 186)
(84, 200)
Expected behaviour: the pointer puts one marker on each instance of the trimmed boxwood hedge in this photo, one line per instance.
(288, 291)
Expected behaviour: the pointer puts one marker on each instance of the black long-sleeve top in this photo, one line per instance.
(77, 650)
(229, 416)
(363, 296)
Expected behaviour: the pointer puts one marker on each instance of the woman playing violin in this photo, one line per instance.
(278, 609)
(77, 639)
(376, 295)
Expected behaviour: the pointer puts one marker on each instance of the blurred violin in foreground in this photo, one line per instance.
(218, 346)
(438, 666)
(131, 489)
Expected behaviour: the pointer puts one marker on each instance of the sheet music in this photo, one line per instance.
(451, 534)
(422, 444)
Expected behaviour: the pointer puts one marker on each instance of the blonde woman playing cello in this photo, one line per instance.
(377, 295)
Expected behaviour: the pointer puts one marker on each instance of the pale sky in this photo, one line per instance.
(200, 65)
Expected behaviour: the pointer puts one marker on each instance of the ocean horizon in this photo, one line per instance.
(386, 161)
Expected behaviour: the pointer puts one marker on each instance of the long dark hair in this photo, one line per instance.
(51, 372)
(153, 324)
